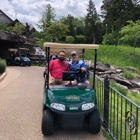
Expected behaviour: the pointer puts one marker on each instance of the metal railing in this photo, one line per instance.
(119, 115)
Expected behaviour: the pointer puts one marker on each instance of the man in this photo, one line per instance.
(16, 56)
(75, 63)
(57, 66)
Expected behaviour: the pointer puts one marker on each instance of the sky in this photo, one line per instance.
(30, 10)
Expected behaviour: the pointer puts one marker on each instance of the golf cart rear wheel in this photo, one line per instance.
(47, 122)
(94, 122)
(22, 63)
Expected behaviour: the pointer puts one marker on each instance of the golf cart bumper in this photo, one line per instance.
(72, 120)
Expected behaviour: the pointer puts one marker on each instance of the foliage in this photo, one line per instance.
(48, 16)
(69, 39)
(37, 34)
(116, 55)
(70, 24)
(81, 39)
(90, 23)
(131, 32)
(2, 65)
(57, 30)
(119, 88)
(129, 74)
(111, 38)
(117, 13)
(3, 26)
(18, 28)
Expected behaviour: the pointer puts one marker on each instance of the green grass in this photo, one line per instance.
(116, 56)
(129, 74)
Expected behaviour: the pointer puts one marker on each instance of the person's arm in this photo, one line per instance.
(50, 67)
(83, 67)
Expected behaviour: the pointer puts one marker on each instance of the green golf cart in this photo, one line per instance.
(22, 62)
(70, 106)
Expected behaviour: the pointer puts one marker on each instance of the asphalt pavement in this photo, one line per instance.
(21, 94)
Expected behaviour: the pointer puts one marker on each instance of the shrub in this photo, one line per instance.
(2, 65)
(129, 74)
(81, 39)
(69, 39)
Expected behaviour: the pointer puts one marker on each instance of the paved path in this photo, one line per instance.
(21, 108)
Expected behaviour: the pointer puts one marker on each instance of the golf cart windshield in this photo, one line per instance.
(54, 48)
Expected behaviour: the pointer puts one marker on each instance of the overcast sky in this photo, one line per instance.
(30, 10)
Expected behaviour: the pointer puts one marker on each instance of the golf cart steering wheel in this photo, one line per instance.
(79, 73)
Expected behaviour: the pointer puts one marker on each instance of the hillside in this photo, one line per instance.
(117, 56)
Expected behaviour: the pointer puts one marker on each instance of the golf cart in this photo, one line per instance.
(22, 62)
(70, 106)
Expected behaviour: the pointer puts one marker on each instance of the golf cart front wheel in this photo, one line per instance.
(94, 122)
(47, 122)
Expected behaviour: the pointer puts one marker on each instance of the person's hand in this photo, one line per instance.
(51, 78)
(83, 69)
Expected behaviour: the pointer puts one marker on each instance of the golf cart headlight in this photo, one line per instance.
(87, 106)
(57, 106)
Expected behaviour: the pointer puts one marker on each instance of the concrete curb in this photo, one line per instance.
(3, 76)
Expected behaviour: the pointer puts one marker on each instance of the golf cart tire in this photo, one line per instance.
(8, 63)
(94, 122)
(44, 74)
(47, 123)
(29, 64)
(22, 63)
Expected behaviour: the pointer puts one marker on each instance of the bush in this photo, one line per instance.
(129, 74)
(69, 39)
(2, 65)
(81, 39)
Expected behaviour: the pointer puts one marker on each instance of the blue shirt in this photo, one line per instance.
(79, 64)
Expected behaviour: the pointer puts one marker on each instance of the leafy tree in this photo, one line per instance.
(131, 32)
(90, 23)
(57, 30)
(111, 38)
(117, 13)
(37, 34)
(80, 39)
(79, 26)
(3, 26)
(69, 21)
(18, 28)
(69, 39)
(48, 16)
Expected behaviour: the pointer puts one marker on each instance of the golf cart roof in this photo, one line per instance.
(56, 47)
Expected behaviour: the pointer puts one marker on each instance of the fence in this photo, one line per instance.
(119, 115)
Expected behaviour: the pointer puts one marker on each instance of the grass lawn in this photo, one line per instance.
(117, 56)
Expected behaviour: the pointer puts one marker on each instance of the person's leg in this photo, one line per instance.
(74, 82)
(84, 80)
(87, 82)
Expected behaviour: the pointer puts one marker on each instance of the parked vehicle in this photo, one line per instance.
(70, 106)
(22, 62)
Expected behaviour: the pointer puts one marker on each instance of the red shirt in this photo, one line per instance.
(57, 67)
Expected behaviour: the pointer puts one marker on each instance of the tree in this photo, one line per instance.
(131, 32)
(79, 26)
(57, 30)
(48, 16)
(18, 28)
(117, 13)
(90, 23)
